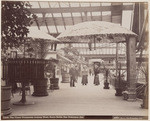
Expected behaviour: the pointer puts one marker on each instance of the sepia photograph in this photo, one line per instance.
(75, 60)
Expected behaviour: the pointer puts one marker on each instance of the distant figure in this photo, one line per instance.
(72, 73)
(107, 73)
(96, 77)
(76, 73)
(90, 72)
(84, 76)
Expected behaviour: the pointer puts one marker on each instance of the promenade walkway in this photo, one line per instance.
(79, 100)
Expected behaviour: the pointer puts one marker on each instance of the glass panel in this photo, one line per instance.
(44, 29)
(60, 29)
(116, 3)
(88, 13)
(74, 4)
(66, 14)
(48, 15)
(34, 4)
(84, 52)
(87, 52)
(54, 4)
(73, 45)
(44, 4)
(106, 13)
(57, 14)
(114, 51)
(106, 4)
(85, 4)
(126, 19)
(96, 13)
(86, 45)
(76, 14)
(95, 4)
(52, 29)
(64, 4)
(127, 3)
(39, 15)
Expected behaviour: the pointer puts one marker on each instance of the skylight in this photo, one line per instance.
(44, 4)
(67, 18)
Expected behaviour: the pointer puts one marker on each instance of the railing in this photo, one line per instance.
(18, 70)
(23, 70)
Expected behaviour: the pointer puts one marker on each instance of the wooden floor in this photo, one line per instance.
(79, 100)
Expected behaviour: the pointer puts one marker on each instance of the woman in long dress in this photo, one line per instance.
(96, 76)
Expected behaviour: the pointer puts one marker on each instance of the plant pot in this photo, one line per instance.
(118, 92)
(106, 85)
(5, 100)
(65, 78)
(40, 87)
(54, 83)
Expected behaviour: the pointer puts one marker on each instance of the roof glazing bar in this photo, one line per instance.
(62, 16)
(44, 19)
(53, 19)
(81, 12)
(91, 13)
(101, 12)
(71, 13)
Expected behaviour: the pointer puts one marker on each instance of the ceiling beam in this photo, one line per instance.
(68, 20)
(71, 14)
(96, 56)
(102, 56)
(91, 13)
(110, 55)
(101, 17)
(79, 9)
(62, 17)
(46, 24)
(81, 13)
(53, 19)
(44, 19)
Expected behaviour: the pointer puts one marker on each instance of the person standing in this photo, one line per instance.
(84, 76)
(72, 73)
(96, 76)
(76, 73)
(90, 72)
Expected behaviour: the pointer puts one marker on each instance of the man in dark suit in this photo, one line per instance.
(72, 73)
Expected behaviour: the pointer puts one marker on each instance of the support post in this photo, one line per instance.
(146, 93)
(117, 80)
(106, 84)
(131, 68)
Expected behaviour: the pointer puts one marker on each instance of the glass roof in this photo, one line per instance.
(70, 13)
(63, 14)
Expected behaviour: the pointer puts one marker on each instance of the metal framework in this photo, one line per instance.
(64, 14)
(55, 17)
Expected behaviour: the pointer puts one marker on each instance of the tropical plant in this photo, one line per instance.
(15, 20)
